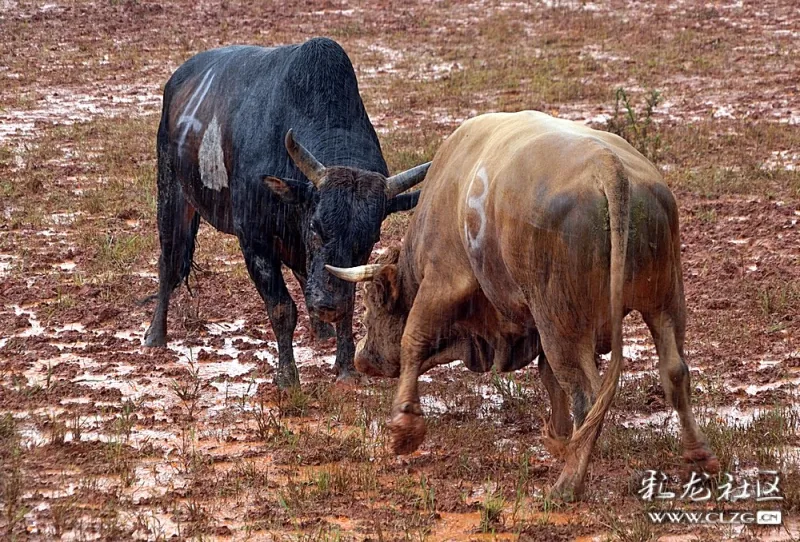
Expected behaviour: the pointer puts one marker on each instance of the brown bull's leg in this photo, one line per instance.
(567, 355)
(668, 336)
(432, 313)
(408, 426)
(558, 428)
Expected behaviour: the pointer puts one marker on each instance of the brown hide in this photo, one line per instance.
(513, 217)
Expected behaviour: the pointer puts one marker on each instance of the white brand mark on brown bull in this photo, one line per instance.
(212, 161)
(477, 203)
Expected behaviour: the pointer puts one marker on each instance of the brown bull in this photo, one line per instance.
(533, 235)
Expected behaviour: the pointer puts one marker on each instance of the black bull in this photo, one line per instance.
(229, 117)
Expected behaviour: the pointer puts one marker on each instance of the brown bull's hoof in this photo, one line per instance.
(407, 430)
(703, 458)
(568, 488)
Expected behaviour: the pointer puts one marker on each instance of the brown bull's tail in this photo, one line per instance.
(617, 191)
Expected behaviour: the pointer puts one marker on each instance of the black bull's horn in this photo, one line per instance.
(315, 171)
(397, 184)
(310, 166)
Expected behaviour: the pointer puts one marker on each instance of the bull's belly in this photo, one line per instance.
(214, 206)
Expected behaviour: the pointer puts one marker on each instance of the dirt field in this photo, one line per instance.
(103, 439)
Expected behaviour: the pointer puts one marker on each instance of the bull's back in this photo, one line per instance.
(226, 112)
(529, 215)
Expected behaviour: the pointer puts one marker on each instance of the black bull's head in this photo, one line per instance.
(345, 206)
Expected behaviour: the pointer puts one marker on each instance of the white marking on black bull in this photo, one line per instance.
(194, 102)
(477, 203)
(212, 160)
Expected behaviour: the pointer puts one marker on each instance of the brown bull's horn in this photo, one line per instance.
(355, 274)
(310, 166)
(397, 184)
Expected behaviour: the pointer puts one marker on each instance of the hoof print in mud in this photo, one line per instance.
(407, 431)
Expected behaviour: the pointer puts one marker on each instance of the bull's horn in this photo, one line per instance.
(355, 274)
(310, 166)
(397, 184)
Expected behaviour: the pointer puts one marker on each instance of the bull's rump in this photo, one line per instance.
(226, 112)
(520, 197)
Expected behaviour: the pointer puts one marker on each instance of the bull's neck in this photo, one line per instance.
(407, 279)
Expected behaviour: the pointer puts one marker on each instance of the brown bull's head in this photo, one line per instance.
(346, 206)
(378, 353)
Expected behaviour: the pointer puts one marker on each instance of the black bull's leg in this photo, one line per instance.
(265, 271)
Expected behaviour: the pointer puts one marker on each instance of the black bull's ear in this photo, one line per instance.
(289, 190)
(403, 202)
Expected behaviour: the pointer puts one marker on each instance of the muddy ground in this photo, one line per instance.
(103, 439)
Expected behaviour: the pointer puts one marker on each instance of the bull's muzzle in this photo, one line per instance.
(364, 362)
(326, 310)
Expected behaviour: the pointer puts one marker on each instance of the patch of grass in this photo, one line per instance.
(190, 460)
(404, 149)
(634, 529)
(520, 404)
(187, 389)
(638, 447)
(117, 252)
(777, 298)
(125, 422)
(709, 216)
(269, 428)
(717, 158)
(759, 442)
(344, 479)
(12, 478)
(120, 461)
(492, 511)
(637, 127)
(58, 431)
(245, 475)
(427, 497)
(64, 517)
(293, 402)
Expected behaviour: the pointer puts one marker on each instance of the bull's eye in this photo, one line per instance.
(316, 230)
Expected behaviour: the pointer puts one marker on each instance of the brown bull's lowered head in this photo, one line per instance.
(378, 353)
(345, 207)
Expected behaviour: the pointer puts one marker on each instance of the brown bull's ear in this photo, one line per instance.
(289, 190)
(387, 287)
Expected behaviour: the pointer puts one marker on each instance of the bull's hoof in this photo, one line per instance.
(567, 489)
(322, 331)
(287, 377)
(349, 379)
(703, 458)
(155, 338)
(407, 430)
